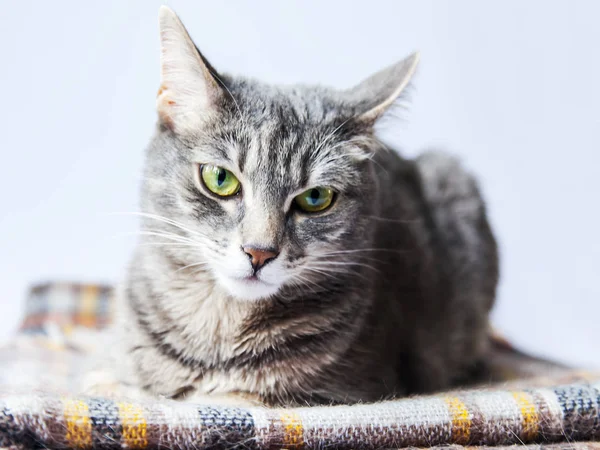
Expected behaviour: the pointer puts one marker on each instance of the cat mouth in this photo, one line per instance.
(253, 279)
(250, 287)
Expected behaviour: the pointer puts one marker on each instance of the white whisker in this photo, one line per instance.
(360, 250)
(171, 244)
(162, 219)
(386, 219)
(337, 263)
(191, 265)
(172, 237)
(325, 270)
(300, 281)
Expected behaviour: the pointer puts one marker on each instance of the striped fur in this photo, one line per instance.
(386, 293)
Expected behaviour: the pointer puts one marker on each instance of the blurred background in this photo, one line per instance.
(512, 87)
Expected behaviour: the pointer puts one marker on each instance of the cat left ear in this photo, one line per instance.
(376, 94)
(189, 90)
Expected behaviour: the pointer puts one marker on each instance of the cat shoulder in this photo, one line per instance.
(447, 184)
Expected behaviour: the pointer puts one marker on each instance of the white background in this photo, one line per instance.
(511, 86)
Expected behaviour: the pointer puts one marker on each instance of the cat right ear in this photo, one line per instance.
(189, 89)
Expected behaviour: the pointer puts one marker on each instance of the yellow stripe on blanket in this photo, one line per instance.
(89, 304)
(134, 426)
(529, 415)
(293, 430)
(79, 425)
(461, 420)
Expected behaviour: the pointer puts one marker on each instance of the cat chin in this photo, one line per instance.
(248, 289)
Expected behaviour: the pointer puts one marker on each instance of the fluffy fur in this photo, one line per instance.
(385, 293)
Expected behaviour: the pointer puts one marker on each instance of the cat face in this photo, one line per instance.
(273, 195)
(264, 188)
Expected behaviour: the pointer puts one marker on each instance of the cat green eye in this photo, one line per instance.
(315, 199)
(219, 181)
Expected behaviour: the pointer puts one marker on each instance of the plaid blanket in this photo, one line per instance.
(533, 403)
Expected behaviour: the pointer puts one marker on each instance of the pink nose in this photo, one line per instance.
(260, 256)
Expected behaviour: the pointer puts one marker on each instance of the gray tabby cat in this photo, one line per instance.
(290, 256)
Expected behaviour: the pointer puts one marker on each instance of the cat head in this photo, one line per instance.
(265, 188)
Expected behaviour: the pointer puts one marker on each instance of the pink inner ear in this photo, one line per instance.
(161, 90)
(162, 100)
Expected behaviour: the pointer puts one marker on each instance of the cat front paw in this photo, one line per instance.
(104, 383)
(232, 399)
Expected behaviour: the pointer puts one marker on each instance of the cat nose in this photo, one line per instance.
(260, 256)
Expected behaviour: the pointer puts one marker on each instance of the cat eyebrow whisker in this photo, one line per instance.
(330, 135)
(231, 95)
(354, 141)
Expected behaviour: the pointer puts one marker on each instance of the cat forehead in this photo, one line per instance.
(296, 151)
(296, 136)
(275, 104)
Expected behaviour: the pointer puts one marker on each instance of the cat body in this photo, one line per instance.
(244, 284)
